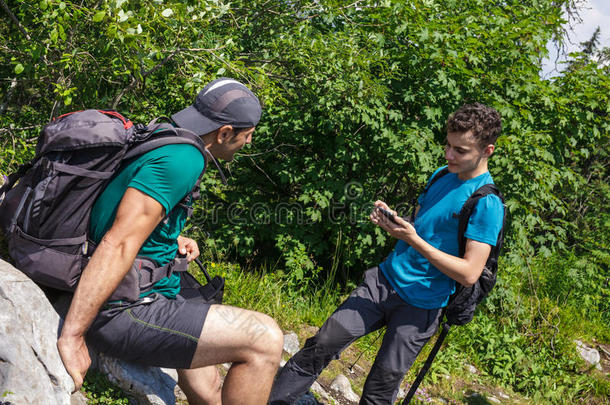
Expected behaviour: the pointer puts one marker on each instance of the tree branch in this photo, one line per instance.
(267, 151)
(9, 95)
(135, 81)
(15, 20)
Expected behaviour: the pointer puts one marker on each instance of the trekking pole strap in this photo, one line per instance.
(202, 267)
(428, 363)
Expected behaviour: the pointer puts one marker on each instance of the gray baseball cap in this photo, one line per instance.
(224, 101)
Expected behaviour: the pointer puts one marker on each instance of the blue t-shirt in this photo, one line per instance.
(417, 281)
(166, 174)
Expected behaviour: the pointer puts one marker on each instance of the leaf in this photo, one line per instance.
(99, 16)
(19, 68)
(62, 32)
(168, 12)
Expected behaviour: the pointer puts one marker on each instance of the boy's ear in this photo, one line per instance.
(489, 150)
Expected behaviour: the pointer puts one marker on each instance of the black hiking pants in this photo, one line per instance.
(370, 306)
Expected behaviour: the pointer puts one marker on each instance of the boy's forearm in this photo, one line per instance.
(465, 272)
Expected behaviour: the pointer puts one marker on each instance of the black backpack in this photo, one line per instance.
(463, 302)
(45, 206)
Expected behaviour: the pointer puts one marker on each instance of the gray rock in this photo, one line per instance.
(291, 343)
(31, 371)
(317, 389)
(342, 386)
(472, 369)
(503, 395)
(589, 355)
(493, 399)
(78, 398)
(148, 385)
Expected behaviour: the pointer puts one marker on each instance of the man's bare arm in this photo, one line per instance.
(137, 216)
(465, 271)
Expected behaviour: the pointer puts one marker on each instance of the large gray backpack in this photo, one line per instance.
(44, 214)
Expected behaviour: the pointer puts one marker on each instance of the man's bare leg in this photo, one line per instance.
(251, 341)
(202, 386)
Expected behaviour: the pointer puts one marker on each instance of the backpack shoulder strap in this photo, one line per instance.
(468, 208)
(436, 177)
(167, 134)
(162, 135)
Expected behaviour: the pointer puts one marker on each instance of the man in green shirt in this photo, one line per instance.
(139, 214)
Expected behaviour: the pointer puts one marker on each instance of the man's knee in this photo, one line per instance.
(256, 333)
(272, 342)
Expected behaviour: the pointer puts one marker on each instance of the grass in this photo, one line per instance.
(520, 342)
(274, 294)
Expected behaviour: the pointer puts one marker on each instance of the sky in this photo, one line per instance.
(594, 13)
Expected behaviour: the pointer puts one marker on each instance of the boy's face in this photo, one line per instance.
(465, 156)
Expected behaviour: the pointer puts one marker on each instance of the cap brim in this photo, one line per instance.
(193, 120)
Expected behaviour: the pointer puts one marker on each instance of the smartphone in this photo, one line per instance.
(387, 214)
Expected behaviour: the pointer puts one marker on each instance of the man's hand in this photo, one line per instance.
(399, 228)
(188, 247)
(75, 356)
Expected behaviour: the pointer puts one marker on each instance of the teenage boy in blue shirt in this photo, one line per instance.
(407, 292)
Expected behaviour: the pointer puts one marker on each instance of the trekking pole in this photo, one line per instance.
(351, 368)
(426, 366)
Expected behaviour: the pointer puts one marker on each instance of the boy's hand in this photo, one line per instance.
(398, 228)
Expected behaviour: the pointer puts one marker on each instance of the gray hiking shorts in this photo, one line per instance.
(154, 330)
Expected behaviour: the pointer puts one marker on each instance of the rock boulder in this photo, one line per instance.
(31, 371)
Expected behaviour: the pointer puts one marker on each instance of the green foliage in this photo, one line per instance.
(355, 98)
(99, 390)
(292, 303)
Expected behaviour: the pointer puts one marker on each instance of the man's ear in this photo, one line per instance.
(224, 133)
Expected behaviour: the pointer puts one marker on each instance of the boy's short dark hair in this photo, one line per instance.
(484, 122)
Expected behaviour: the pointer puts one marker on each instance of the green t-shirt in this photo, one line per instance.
(167, 174)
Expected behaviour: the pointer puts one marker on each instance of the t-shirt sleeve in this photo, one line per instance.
(169, 173)
(486, 220)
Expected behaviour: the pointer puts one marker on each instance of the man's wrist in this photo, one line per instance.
(71, 334)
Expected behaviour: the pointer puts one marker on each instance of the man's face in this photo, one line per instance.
(465, 156)
(233, 142)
